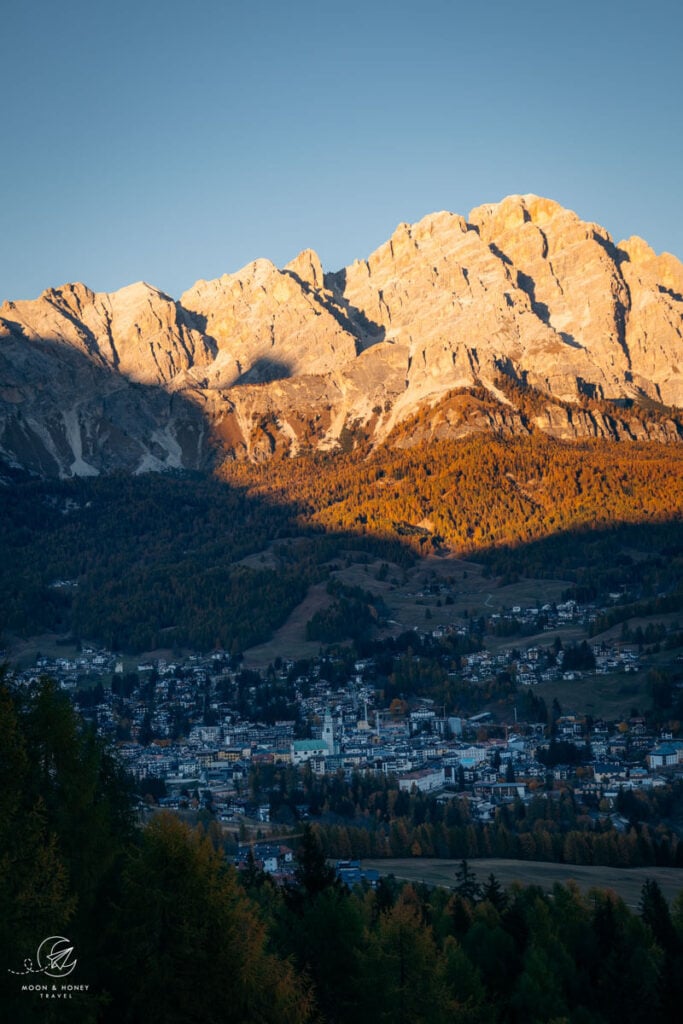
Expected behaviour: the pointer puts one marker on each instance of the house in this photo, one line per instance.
(270, 857)
(351, 873)
(472, 754)
(607, 771)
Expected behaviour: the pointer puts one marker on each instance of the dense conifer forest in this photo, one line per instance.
(478, 493)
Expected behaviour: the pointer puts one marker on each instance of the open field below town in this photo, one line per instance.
(626, 882)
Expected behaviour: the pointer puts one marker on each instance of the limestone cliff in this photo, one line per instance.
(447, 328)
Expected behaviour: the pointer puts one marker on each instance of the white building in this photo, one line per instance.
(424, 779)
(304, 750)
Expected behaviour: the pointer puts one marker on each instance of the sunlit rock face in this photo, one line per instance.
(271, 361)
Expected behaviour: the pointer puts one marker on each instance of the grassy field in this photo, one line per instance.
(406, 591)
(289, 641)
(610, 696)
(625, 882)
(23, 652)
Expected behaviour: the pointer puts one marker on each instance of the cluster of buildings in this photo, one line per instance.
(278, 861)
(185, 732)
(535, 665)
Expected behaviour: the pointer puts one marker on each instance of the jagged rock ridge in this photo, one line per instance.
(437, 322)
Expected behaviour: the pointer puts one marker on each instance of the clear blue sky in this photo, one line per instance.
(167, 140)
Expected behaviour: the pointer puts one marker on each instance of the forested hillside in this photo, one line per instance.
(140, 562)
(189, 560)
(469, 495)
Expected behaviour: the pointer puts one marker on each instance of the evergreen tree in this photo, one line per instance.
(466, 882)
(325, 936)
(404, 983)
(65, 824)
(313, 874)
(469, 1004)
(191, 940)
(654, 911)
(493, 891)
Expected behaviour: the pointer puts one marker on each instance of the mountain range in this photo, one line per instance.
(521, 318)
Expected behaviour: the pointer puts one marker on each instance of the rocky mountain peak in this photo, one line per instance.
(308, 268)
(521, 294)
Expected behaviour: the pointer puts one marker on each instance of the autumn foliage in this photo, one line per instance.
(471, 494)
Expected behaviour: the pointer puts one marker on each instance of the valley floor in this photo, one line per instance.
(625, 882)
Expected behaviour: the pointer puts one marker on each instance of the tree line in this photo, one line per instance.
(369, 816)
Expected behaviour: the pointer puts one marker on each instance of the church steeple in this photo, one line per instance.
(328, 733)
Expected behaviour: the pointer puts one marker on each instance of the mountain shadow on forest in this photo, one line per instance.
(159, 560)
